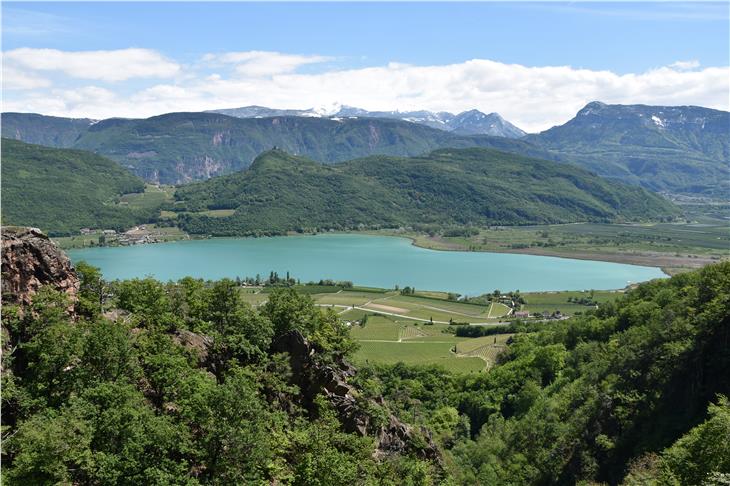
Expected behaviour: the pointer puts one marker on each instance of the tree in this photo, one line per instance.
(288, 310)
(91, 290)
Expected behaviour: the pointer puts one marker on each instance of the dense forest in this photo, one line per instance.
(186, 385)
(465, 187)
(63, 190)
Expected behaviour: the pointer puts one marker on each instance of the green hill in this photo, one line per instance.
(182, 147)
(281, 192)
(683, 149)
(63, 190)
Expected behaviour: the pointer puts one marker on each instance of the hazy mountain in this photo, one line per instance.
(472, 122)
(282, 192)
(51, 131)
(63, 190)
(475, 122)
(181, 147)
(682, 149)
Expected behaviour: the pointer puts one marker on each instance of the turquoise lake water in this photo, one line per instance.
(376, 261)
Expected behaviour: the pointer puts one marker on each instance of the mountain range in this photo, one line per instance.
(181, 147)
(683, 150)
(463, 187)
(472, 122)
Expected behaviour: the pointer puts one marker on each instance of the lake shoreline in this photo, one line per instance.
(668, 264)
(369, 260)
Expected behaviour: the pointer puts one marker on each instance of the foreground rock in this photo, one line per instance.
(29, 261)
(313, 378)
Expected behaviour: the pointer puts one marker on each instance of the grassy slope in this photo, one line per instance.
(282, 193)
(62, 190)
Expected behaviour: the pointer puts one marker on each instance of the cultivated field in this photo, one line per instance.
(152, 197)
(415, 329)
(414, 308)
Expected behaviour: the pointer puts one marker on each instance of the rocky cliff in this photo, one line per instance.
(331, 380)
(29, 261)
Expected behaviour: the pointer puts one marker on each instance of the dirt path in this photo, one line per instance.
(452, 312)
(348, 307)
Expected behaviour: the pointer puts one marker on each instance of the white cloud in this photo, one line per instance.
(17, 79)
(262, 63)
(534, 98)
(685, 65)
(116, 65)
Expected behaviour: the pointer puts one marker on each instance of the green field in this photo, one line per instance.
(417, 353)
(554, 301)
(397, 327)
(217, 213)
(416, 308)
(152, 197)
(378, 328)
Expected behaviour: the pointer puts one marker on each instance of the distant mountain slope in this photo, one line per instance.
(63, 190)
(182, 147)
(281, 192)
(682, 149)
(472, 122)
(51, 131)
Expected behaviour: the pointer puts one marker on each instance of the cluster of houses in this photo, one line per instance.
(136, 236)
(545, 315)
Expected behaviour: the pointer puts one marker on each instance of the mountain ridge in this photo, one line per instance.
(177, 148)
(281, 192)
(679, 149)
(470, 122)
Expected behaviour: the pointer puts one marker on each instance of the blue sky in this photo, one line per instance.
(370, 41)
(623, 37)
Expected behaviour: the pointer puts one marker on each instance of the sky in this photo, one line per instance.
(536, 64)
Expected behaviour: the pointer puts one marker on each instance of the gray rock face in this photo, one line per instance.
(29, 261)
(331, 380)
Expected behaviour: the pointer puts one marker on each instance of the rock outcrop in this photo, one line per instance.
(331, 380)
(31, 260)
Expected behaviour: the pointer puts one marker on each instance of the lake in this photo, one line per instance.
(377, 261)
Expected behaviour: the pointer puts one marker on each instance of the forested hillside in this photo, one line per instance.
(188, 386)
(282, 193)
(634, 392)
(63, 190)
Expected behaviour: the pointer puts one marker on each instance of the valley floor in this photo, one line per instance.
(674, 247)
(417, 329)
